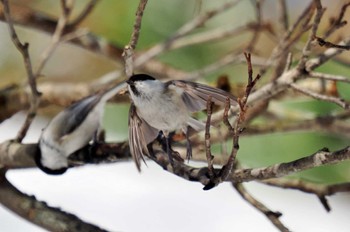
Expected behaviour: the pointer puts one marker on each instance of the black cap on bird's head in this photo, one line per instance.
(37, 159)
(139, 77)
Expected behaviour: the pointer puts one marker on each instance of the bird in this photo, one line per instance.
(162, 107)
(72, 129)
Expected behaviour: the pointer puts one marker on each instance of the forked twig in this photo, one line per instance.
(238, 125)
(235, 130)
(85, 12)
(336, 23)
(67, 6)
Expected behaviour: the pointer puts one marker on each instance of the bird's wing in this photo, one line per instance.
(140, 134)
(77, 112)
(196, 95)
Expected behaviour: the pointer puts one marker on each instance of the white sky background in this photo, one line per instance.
(118, 198)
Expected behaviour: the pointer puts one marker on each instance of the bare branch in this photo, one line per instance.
(341, 102)
(23, 49)
(235, 130)
(331, 124)
(209, 156)
(15, 155)
(184, 30)
(137, 25)
(320, 190)
(129, 49)
(331, 77)
(256, 33)
(86, 12)
(319, 13)
(327, 44)
(317, 159)
(271, 215)
(38, 212)
(313, 63)
(283, 18)
(336, 23)
(56, 37)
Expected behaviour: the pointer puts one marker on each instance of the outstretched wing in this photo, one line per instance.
(196, 95)
(140, 134)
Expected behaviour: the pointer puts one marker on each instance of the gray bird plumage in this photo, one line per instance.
(72, 129)
(166, 107)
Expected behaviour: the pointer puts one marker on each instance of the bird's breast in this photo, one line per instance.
(165, 112)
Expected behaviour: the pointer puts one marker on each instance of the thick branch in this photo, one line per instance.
(15, 155)
(38, 212)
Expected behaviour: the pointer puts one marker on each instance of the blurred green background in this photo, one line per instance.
(113, 21)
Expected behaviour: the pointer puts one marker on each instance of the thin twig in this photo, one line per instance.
(306, 50)
(226, 170)
(209, 156)
(328, 124)
(287, 41)
(271, 215)
(23, 49)
(67, 6)
(137, 25)
(341, 102)
(330, 77)
(338, 22)
(183, 31)
(85, 12)
(320, 190)
(130, 47)
(314, 63)
(283, 18)
(256, 33)
(327, 44)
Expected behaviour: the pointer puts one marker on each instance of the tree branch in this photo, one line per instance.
(38, 212)
(16, 155)
(271, 215)
(320, 190)
(23, 49)
(128, 53)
